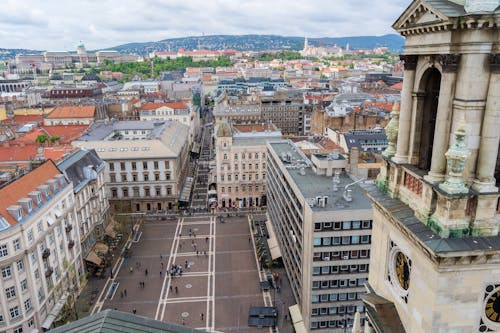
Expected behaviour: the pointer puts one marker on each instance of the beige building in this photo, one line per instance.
(435, 264)
(147, 162)
(322, 222)
(40, 255)
(240, 172)
(71, 115)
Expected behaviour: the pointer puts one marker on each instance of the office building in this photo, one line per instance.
(322, 222)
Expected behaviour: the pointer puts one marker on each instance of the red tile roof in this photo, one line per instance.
(71, 111)
(172, 105)
(20, 120)
(397, 86)
(67, 133)
(22, 186)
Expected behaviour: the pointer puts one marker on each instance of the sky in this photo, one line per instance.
(62, 24)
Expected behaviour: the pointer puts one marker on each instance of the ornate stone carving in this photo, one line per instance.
(456, 156)
(410, 61)
(391, 131)
(495, 63)
(449, 62)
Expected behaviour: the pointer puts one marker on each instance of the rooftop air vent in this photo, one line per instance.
(302, 171)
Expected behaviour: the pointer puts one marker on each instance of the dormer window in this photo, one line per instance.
(16, 212)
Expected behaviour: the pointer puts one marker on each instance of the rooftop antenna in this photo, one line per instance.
(348, 191)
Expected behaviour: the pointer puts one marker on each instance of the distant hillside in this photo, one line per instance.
(11, 53)
(259, 43)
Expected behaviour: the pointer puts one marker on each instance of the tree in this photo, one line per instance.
(54, 138)
(42, 139)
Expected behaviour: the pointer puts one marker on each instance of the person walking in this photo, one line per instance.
(201, 316)
(161, 265)
(121, 294)
(171, 288)
(146, 272)
(160, 273)
(176, 290)
(125, 292)
(134, 311)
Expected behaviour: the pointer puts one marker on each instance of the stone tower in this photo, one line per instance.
(435, 256)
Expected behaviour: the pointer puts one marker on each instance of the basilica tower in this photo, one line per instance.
(435, 256)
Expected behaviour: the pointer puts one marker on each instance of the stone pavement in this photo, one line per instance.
(215, 291)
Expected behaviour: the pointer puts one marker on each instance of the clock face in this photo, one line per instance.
(402, 270)
(492, 307)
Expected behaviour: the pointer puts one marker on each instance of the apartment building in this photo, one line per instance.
(146, 162)
(40, 255)
(85, 170)
(322, 222)
(240, 171)
(286, 110)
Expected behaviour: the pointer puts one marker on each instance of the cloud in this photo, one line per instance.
(55, 25)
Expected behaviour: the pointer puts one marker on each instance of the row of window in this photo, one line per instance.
(344, 240)
(135, 178)
(145, 165)
(243, 188)
(342, 269)
(342, 323)
(243, 177)
(333, 310)
(345, 225)
(15, 311)
(136, 192)
(340, 255)
(343, 283)
(244, 166)
(334, 297)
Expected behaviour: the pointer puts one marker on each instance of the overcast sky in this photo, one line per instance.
(61, 24)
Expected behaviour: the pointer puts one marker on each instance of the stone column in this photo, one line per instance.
(449, 64)
(490, 133)
(469, 102)
(410, 65)
(416, 126)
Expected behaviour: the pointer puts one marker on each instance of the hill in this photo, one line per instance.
(259, 43)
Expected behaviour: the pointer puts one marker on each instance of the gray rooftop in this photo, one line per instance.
(99, 130)
(312, 185)
(112, 321)
(81, 167)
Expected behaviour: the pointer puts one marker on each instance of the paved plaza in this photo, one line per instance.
(217, 286)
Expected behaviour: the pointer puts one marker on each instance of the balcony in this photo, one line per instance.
(46, 253)
(68, 228)
(71, 243)
(48, 271)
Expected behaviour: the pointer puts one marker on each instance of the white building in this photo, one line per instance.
(85, 170)
(40, 255)
(146, 161)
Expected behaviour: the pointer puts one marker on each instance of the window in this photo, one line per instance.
(156, 165)
(366, 224)
(235, 156)
(114, 193)
(18, 330)
(346, 240)
(31, 322)
(363, 253)
(125, 192)
(14, 312)
(158, 191)
(316, 270)
(112, 177)
(30, 237)
(10, 292)
(146, 177)
(225, 156)
(33, 258)
(20, 265)
(336, 240)
(111, 167)
(147, 192)
(27, 305)
(236, 177)
(157, 176)
(122, 166)
(356, 224)
(167, 175)
(134, 166)
(3, 250)
(39, 227)
(337, 226)
(24, 285)
(144, 165)
(17, 244)
(169, 190)
(37, 274)
(346, 225)
(167, 164)
(354, 239)
(365, 239)
(6, 272)
(123, 177)
(1, 319)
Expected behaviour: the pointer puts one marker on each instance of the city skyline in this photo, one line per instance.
(60, 26)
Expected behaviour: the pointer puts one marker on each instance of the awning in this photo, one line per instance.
(94, 258)
(100, 248)
(55, 311)
(272, 242)
(110, 230)
(297, 321)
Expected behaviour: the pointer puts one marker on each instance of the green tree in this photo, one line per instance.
(42, 139)
(54, 138)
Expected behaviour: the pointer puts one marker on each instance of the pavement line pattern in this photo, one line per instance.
(166, 281)
(213, 227)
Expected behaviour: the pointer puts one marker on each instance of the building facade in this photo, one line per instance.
(435, 264)
(240, 175)
(322, 222)
(85, 170)
(40, 255)
(146, 162)
(287, 111)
